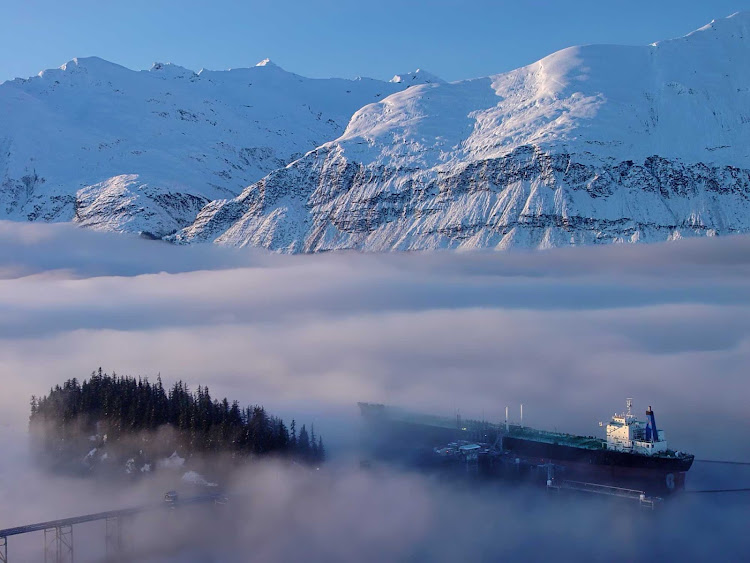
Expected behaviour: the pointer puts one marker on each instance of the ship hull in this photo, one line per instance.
(654, 474)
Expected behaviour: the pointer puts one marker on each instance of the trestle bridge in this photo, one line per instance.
(58, 534)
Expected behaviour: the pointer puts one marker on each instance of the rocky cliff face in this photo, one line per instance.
(595, 144)
(528, 198)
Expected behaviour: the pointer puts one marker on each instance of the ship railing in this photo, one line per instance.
(608, 490)
(602, 489)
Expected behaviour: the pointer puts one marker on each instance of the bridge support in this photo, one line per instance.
(3, 549)
(58, 544)
(113, 537)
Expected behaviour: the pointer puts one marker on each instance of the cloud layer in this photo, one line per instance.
(570, 333)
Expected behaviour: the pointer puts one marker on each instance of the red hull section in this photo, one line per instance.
(651, 481)
(652, 474)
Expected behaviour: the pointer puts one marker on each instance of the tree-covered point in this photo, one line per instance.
(119, 407)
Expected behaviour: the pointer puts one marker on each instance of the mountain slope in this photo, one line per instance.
(125, 150)
(591, 144)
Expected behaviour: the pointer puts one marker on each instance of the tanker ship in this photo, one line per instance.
(634, 452)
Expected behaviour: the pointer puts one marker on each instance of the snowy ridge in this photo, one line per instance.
(116, 149)
(419, 76)
(591, 144)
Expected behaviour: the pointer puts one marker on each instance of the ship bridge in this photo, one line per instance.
(626, 433)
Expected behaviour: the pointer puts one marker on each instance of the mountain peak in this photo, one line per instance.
(83, 65)
(169, 70)
(418, 76)
(88, 63)
(267, 62)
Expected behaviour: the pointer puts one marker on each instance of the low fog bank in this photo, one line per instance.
(569, 333)
(30, 248)
(277, 512)
(347, 514)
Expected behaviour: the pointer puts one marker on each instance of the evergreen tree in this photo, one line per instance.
(303, 444)
(293, 436)
(313, 445)
(321, 451)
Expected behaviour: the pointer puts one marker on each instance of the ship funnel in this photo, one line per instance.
(654, 431)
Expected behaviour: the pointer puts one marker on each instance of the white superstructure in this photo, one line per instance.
(626, 433)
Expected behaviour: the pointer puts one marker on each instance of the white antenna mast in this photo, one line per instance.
(506, 419)
(521, 414)
(629, 405)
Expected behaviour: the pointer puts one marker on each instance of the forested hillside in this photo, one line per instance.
(135, 418)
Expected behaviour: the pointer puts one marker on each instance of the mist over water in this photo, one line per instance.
(569, 333)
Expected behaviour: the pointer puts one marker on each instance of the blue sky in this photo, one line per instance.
(320, 38)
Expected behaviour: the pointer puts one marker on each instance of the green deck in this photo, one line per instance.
(514, 430)
(546, 436)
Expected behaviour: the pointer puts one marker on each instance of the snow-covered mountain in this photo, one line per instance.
(591, 144)
(124, 150)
